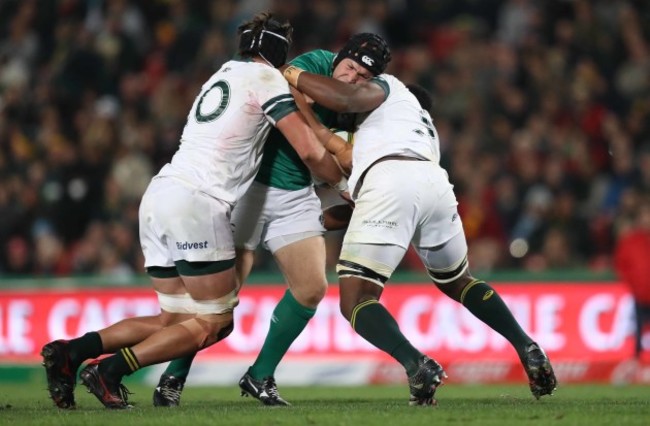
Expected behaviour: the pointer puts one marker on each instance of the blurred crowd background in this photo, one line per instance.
(543, 109)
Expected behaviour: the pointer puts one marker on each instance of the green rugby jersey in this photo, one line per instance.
(281, 166)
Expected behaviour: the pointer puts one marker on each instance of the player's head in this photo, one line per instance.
(422, 95)
(267, 36)
(365, 55)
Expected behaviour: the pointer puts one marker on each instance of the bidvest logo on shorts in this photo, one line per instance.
(191, 246)
(380, 223)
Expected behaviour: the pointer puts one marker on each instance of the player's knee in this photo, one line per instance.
(349, 305)
(454, 289)
(310, 296)
(346, 306)
(213, 328)
(452, 280)
(225, 330)
(214, 319)
(363, 283)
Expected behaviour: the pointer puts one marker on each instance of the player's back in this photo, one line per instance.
(221, 144)
(399, 126)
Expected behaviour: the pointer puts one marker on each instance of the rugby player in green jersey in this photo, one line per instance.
(282, 211)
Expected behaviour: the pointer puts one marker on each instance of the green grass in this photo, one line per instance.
(28, 404)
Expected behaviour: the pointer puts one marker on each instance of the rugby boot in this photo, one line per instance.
(113, 395)
(264, 390)
(425, 381)
(60, 373)
(541, 377)
(168, 392)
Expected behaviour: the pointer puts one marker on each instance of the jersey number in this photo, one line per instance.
(427, 122)
(225, 100)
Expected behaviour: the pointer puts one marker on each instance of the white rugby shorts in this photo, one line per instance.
(402, 202)
(265, 213)
(177, 222)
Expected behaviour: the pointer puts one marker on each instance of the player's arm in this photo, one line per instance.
(332, 142)
(334, 94)
(303, 140)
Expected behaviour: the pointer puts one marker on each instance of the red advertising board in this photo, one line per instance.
(573, 322)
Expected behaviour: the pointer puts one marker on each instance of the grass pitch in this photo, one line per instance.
(28, 404)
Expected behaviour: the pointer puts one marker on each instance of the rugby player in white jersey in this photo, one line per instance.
(185, 229)
(403, 196)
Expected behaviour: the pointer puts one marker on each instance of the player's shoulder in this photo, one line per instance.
(389, 79)
(317, 61)
(390, 84)
(238, 67)
(254, 73)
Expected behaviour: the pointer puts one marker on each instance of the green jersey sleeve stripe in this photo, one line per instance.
(275, 99)
(383, 84)
(280, 110)
(278, 107)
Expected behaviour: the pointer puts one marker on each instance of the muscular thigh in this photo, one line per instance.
(303, 265)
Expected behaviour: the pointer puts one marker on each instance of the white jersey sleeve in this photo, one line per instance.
(399, 126)
(221, 145)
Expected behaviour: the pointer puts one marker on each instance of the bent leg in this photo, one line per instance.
(127, 332)
(179, 368)
(448, 268)
(215, 297)
(306, 278)
(363, 269)
(307, 286)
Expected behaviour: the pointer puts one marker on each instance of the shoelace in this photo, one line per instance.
(124, 393)
(171, 393)
(271, 388)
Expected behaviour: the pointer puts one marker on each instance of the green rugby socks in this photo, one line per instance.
(289, 319)
(180, 367)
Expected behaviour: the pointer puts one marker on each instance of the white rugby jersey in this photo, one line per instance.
(221, 145)
(399, 126)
